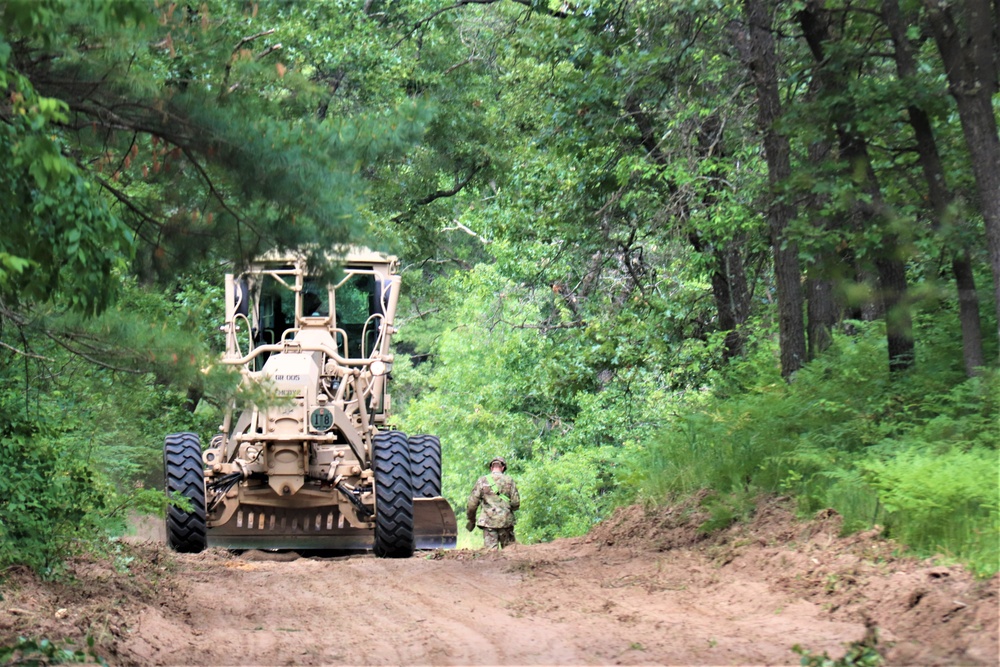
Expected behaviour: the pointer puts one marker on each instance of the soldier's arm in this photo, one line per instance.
(515, 497)
(473, 504)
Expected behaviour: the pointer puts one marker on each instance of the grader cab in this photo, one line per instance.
(312, 461)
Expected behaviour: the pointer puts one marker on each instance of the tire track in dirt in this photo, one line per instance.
(521, 607)
(646, 587)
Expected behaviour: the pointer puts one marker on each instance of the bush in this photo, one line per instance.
(942, 502)
(50, 499)
(917, 451)
(566, 495)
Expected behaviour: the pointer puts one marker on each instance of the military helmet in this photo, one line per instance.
(497, 459)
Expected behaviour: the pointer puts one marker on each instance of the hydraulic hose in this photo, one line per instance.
(353, 499)
(220, 487)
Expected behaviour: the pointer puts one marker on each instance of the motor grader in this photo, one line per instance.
(311, 462)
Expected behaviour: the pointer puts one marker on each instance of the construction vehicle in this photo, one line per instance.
(312, 461)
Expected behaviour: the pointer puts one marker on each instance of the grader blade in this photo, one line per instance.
(434, 525)
(260, 527)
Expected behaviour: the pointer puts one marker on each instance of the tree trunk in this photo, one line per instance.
(194, 396)
(763, 66)
(972, 80)
(891, 284)
(823, 314)
(729, 279)
(823, 310)
(939, 194)
(968, 314)
(729, 290)
(898, 321)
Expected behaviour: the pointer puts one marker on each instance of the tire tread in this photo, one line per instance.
(425, 457)
(394, 537)
(184, 475)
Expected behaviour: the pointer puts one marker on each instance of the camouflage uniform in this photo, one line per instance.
(497, 493)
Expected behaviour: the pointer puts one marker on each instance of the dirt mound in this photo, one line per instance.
(657, 528)
(644, 587)
(96, 600)
(932, 613)
(927, 613)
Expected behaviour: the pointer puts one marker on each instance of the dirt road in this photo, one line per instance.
(531, 606)
(643, 589)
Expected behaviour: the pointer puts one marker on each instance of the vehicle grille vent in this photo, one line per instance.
(286, 521)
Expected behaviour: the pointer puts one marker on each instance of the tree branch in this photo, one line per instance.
(20, 322)
(31, 355)
(545, 327)
(433, 15)
(559, 14)
(48, 334)
(460, 227)
(236, 50)
(126, 201)
(268, 51)
(219, 198)
(441, 194)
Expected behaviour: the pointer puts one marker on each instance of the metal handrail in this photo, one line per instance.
(281, 347)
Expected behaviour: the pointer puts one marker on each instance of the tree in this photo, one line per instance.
(967, 39)
(761, 60)
(142, 141)
(869, 209)
(942, 200)
(199, 142)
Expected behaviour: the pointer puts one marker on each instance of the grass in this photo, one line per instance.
(916, 454)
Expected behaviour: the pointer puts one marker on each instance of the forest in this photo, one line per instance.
(649, 249)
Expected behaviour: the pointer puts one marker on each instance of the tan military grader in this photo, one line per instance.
(315, 464)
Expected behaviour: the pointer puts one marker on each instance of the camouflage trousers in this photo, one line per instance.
(498, 538)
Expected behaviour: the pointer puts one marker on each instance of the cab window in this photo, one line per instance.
(354, 306)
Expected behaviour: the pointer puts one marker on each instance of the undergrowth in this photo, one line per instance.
(37, 652)
(915, 453)
(864, 653)
(56, 503)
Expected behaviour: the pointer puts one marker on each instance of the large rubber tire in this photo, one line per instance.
(425, 465)
(393, 496)
(184, 475)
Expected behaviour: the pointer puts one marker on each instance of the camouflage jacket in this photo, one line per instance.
(497, 493)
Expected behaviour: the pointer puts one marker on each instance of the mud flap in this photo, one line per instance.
(261, 527)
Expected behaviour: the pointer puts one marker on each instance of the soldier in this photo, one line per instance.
(497, 493)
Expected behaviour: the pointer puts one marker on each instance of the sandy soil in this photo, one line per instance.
(643, 588)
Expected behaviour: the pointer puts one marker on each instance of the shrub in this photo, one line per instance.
(566, 495)
(942, 501)
(50, 498)
(917, 451)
